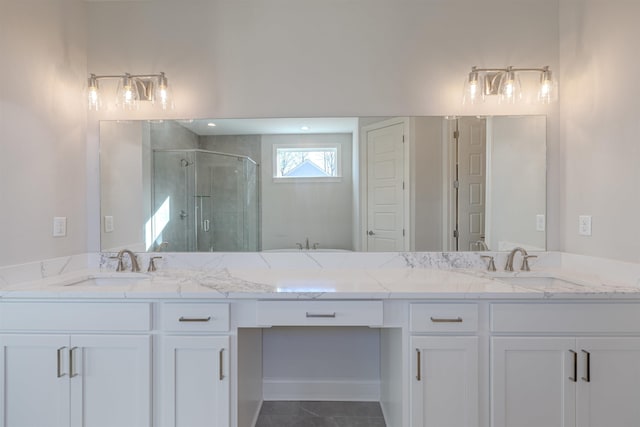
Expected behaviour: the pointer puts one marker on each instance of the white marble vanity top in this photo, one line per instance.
(327, 276)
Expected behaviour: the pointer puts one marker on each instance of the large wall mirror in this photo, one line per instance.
(324, 184)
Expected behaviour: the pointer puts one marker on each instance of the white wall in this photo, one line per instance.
(516, 182)
(600, 102)
(42, 128)
(293, 211)
(323, 57)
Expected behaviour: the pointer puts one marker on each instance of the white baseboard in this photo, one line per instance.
(323, 390)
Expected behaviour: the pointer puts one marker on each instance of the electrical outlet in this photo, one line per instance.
(584, 225)
(59, 226)
(540, 223)
(108, 224)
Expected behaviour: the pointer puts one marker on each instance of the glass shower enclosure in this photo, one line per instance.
(204, 201)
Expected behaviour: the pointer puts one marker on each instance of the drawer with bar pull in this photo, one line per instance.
(443, 317)
(319, 313)
(195, 317)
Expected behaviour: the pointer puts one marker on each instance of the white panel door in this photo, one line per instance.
(195, 381)
(110, 380)
(472, 182)
(35, 381)
(608, 392)
(385, 194)
(532, 382)
(444, 387)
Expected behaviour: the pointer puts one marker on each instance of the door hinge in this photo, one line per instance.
(403, 232)
(402, 138)
(456, 184)
(456, 134)
(403, 185)
(455, 234)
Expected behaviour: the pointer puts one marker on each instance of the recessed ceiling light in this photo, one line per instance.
(305, 128)
(211, 125)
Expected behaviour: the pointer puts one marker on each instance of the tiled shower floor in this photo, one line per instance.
(320, 414)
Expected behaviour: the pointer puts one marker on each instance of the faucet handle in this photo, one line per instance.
(492, 265)
(316, 246)
(152, 263)
(299, 246)
(120, 266)
(525, 262)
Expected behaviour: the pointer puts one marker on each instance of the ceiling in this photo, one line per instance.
(276, 126)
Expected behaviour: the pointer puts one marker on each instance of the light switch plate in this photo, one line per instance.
(540, 223)
(108, 224)
(59, 226)
(584, 225)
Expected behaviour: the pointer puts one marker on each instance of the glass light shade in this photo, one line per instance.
(93, 94)
(473, 88)
(127, 94)
(163, 94)
(510, 88)
(548, 91)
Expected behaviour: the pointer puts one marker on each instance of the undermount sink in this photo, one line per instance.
(111, 280)
(542, 281)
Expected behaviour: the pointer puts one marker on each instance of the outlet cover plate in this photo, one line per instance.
(584, 225)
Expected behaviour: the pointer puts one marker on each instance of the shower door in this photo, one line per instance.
(204, 202)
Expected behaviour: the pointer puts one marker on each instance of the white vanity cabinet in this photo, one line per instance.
(569, 381)
(78, 379)
(195, 365)
(444, 374)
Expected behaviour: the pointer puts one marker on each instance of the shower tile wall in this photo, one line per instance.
(244, 145)
(170, 135)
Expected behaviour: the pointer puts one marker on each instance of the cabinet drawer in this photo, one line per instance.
(567, 318)
(319, 313)
(70, 316)
(443, 318)
(195, 317)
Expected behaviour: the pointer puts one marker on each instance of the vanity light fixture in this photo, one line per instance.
(505, 83)
(132, 88)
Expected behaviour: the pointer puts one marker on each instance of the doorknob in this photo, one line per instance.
(371, 233)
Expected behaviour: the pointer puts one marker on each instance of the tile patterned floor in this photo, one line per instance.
(320, 414)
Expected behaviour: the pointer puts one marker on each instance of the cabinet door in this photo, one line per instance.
(195, 381)
(532, 382)
(445, 382)
(608, 392)
(110, 380)
(35, 380)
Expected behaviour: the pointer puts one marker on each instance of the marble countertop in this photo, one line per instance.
(406, 282)
(397, 275)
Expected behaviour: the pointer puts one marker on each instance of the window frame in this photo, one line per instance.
(307, 146)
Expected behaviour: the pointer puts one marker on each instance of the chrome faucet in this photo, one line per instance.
(134, 261)
(307, 244)
(525, 259)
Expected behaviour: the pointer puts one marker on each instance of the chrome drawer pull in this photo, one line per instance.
(326, 315)
(221, 373)
(418, 357)
(575, 366)
(588, 377)
(444, 320)
(72, 365)
(194, 319)
(59, 366)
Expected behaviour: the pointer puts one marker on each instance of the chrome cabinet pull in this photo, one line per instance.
(221, 373)
(194, 319)
(418, 357)
(325, 315)
(575, 367)
(59, 372)
(446, 320)
(72, 374)
(588, 377)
